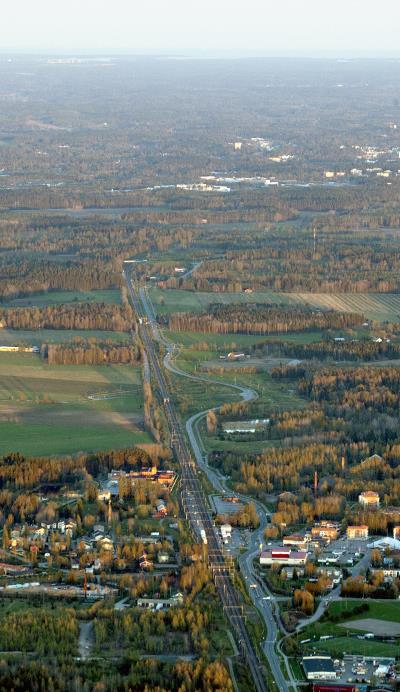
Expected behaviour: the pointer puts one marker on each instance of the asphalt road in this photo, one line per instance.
(334, 595)
(264, 600)
(194, 503)
(265, 607)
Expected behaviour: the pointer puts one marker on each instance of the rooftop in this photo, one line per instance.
(314, 664)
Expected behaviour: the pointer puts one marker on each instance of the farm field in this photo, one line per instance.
(48, 410)
(175, 300)
(36, 337)
(375, 306)
(109, 296)
(223, 343)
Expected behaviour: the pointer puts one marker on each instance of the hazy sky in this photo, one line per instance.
(250, 26)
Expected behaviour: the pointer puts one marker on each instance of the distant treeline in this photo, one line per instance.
(100, 316)
(284, 260)
(260, 319)
(91, 353)
(332, 350)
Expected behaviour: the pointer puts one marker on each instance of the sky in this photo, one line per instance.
(209, 27)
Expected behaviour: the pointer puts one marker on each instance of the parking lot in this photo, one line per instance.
(224, 507)
(344, 552)
(359, 668)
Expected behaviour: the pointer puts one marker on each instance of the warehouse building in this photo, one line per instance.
(283, 556)
(319, 668)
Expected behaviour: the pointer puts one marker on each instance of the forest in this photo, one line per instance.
(91, 157)
(44, 632)
(99, 316)
(20, 277)
(337, 261)
(281, 469)
(260, 319)
(349, 350)
(93, 352)
(142, 676)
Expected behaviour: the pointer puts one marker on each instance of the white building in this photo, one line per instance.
(369, 499)
(226, 531)
(383, 543)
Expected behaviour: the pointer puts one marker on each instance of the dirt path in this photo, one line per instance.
(86, 639)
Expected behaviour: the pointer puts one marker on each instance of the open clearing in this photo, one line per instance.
(379, 627)
(36, 337)
(47, 410)
(375, 306)
(267, 363)
(378, 610)
(109, 296)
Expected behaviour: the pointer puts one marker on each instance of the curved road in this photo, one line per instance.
(260, 596)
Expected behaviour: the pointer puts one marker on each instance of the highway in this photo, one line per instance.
(263, 600)
(265, 608)
(194, 502)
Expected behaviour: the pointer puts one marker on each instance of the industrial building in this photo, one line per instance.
(319, 668)
(283, 556)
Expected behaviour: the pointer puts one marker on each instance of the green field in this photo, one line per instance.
(194, 396)
(375, 306)
(380, 610)
(218, 342)
(351, 645)
(36, 337)
(176, 300)
(48, 410)
(109, 296)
